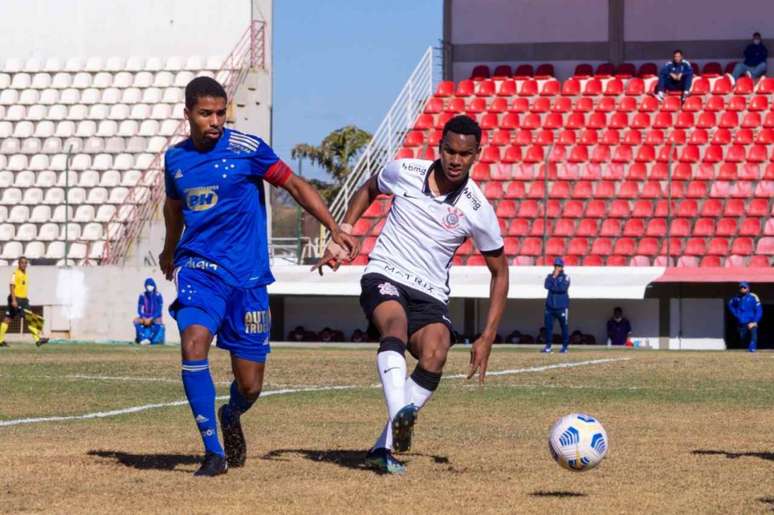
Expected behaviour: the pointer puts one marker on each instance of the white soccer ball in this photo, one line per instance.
(578, 442)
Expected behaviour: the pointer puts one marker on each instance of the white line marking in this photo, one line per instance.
(285, 391)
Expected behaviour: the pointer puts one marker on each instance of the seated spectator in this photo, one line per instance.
(618, 328)
(675, 75)
(358, 336)
(588, 339)
(514, 337)
(755, 56)
(149, 326)
(327, 335)
(526, 338)
(297, 335)
(576, 338)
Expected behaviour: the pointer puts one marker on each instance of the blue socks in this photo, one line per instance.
(236, 406)
(200, 391)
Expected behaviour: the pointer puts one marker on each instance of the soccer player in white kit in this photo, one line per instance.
(405, 287)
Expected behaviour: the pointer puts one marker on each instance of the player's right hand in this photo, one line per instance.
(347, 243)
(167, 265)
(14, 305)
(333, 257)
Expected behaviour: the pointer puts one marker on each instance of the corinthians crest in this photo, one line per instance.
(452, 219)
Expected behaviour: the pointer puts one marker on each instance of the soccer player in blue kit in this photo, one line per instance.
(220, 262)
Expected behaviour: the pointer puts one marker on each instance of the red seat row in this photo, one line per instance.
(482, 71)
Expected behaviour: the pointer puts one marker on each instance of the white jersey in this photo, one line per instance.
(422, 232)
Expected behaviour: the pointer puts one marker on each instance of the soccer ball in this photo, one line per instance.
(578, 442)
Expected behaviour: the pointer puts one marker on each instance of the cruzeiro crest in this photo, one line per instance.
(452, 219)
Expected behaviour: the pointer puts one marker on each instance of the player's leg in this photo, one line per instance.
(199, 309)
(4, 327)
(245, 334)
(753, 346)
(563, 316)
(548, 323)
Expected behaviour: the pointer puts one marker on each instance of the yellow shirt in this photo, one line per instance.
(19, 281)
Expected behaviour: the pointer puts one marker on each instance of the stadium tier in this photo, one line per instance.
(623, 71)
(105, 120)
(608, 172)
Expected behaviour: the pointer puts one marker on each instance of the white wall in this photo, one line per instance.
(73, 28)
(528, 21)
(678, 20)
(696, 324)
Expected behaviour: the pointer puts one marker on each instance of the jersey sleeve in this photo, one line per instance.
(266, 165)
(169, 180)
(388, 178)
(486, 230)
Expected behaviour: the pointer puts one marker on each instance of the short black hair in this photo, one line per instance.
(617, 308)
(203, 87)
(678, 51)
(462, 124)
(757, 34)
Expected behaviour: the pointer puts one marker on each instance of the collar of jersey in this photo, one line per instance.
(452, 196)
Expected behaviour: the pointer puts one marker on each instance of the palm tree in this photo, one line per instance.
(336, 154)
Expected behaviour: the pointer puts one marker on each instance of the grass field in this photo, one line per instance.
(689, 432)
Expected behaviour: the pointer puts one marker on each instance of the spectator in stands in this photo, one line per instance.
(297, 335)
(577, 338)
(557, 304)
(755, 56)
(746, 308)
(675, 75)
(514, 337)
(618, 328)
(359, 336)
(149, 326)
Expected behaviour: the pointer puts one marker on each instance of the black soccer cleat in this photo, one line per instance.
(213, 465)
(41, 341)
(233, 441)
(403, 428)
(3, 344)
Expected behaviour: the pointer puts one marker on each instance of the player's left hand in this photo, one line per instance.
(333, 256)
(479, 357)
(347, 243)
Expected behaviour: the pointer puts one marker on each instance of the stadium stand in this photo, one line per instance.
(593, 155)
(104, 120)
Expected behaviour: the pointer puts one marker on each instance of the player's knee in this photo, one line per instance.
(395, 328)
(195, 343)
(433, 357)
(250, 391)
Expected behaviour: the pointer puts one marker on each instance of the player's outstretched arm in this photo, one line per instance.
(308, 198)
(498, 295)
(357, 206)
(173, 220)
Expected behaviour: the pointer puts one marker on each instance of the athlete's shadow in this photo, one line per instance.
(148, 461)
(557, 493)
(734, 455)
(347, 458)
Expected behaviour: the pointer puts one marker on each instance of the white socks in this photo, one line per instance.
(392, 372)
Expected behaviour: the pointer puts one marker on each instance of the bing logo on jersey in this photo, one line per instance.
(452, 218)
(201, 199)
(257, 322)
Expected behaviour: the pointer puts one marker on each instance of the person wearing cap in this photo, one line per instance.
(746, 308)
(557, 303)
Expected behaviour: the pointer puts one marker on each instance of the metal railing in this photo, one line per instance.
(125, 227)
(389, 136)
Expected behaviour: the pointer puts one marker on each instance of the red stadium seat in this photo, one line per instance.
(561, 105)
(545, 70)
(684, 120)
(759, 261)
(512, 154)
(710, 261)
(759, 103)
(490, 154)
(555, 246)
(531, 121)
(434, 105)
(765, 136)
(742, 189)
(692, 104)
(502, 71)
(515, 190)
(768, 120)
(752, 120)
(605, 69)
(706, 120)
(524, 71)
(531, 247)
(464, 88)
(734, 207)
(727, 172)
(524, 172)
(480, 71)
(663, 120)
(634, 227)
(485, 88)
(619, 121)
(507, 88)
(583, 70)
(712, 154)
(440, 120)
(720, 189)
(614, 87)
(624, 247)
(737, 103)
(648, 104)
(634, 87)
(677, 136)
(648, 247)
(654, 137)
(596, 209)
(726, 227)
(625, 70)
(480, 172)
(765, 246)
(696, 189)
(582, 190)
(605, 105)
(735, 153)
(765, 86)
(475, 106)
(659, 171)
(671, 103)
(405, 153)
(445, 89)
(729, 119)
(627, 105)
(600, 154)
(750, 171)
(511, 246)
(675, 247)
(587, 227)
(575, 121)
(765, 189)
(583, 105)
(553, 121)
(564, 227)
(578, 247)
(506, 209)
(722, 86)
(744, 85)
(571, 87)
(593, 87)
(540, 105)
(651, 189)
(698, 136)
(611, 227)
(744, 136)
(518, 227)
(493, 190)
(637, 171)
(686, 209)
(647, 70)
(699, 86)
(573, 209)
(560, 189)
(551, 88)
(688, 262)
(509, 121)
(602, 247)
(743, 246)
(537, 190)
(680, 227)
(534, 154)
(695, 247)
(619, 209)
(529, 88)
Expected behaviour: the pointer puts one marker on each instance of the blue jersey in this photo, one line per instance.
(224, 208)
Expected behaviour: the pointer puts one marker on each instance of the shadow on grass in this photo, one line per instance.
(556, 493)
(768, 501)
(149, 461)
(734, 455)
(347, 458)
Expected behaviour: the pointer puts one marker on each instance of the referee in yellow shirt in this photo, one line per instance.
(19, 305)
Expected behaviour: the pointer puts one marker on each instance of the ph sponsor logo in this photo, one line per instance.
(201, 199)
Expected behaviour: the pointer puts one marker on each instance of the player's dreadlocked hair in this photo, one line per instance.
(463, 125)
(203, 87)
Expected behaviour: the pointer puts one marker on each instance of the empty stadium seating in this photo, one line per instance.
(594, 153)
(111, 117)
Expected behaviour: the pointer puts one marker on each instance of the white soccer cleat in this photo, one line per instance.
(145, 342)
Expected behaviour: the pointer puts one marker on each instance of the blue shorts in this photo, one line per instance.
(239, 317)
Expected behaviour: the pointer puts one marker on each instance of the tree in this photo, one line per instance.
(336, 154)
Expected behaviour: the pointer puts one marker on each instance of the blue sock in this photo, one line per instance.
(237, 405)
(200, 391)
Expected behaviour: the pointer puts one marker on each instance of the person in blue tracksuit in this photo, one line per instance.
(755, 56)
(746, 308)
(557, 303)
(675, 75)
(149, 326)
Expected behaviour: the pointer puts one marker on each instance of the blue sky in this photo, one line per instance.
(342, 62)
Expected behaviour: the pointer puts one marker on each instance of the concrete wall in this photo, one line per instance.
(73, 28)
(696, 324)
